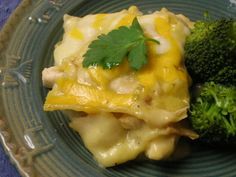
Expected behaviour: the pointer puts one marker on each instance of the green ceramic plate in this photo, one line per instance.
(40, 143)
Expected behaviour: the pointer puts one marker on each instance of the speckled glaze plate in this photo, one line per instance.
(40, 143)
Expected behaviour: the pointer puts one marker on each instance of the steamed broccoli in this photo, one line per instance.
(226, 76)
(210, 51)
(213, 113)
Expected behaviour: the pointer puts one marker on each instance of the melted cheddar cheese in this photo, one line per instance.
(155, 97)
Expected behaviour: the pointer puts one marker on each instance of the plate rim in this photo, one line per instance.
(12, 149)
(10, 146)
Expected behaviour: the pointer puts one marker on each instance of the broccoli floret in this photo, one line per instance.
(210, 49)
(225, 76)
(213, 113)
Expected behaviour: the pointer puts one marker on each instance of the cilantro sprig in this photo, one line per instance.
(111, 49)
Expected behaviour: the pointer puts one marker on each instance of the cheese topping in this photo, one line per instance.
(157, 95)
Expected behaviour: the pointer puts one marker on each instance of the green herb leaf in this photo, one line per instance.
(110, 50)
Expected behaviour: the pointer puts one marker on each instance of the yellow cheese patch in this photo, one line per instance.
(165, 67)
(68, 94)
(98, 23)
(76, 34)
(104, 77)
(126, 20)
